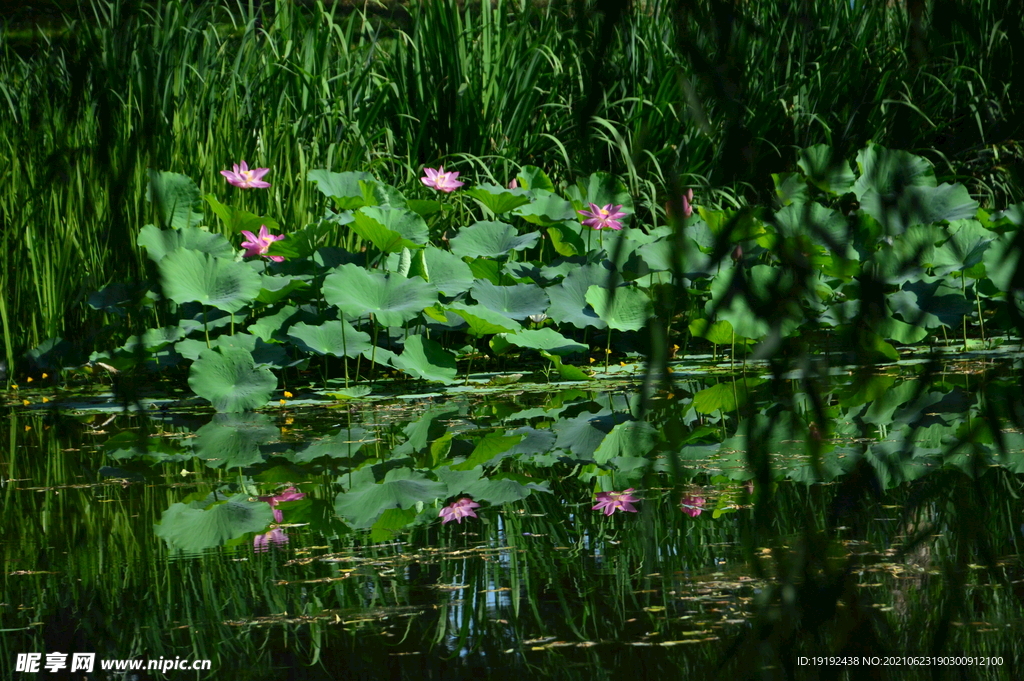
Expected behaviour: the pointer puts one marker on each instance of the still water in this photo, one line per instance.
(871, 517)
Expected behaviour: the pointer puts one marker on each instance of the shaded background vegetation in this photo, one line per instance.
(716, 94)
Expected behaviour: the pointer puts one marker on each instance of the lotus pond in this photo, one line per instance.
(306, 540)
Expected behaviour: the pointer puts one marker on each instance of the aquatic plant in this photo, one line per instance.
(610, 502)
(242, 177)
(441, 180)
(258, 245)
(457, 510)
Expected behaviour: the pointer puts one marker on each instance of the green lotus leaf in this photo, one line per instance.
(629, 439)
(829, 174)
(504, 488)
(497, 199)
(160, 242)
(235, 220)
(518, 302)
(343, 444)
(426, 359)
(234, 441)
(390, 298)
(916, 205)
(337, 338)
(192, 528)
(629, 310)
(566, 239)
(931, 302)
(569, 297)
(390, 523)
(390, 229)
(267, 326)
(483, 321)
(538, 339)
(263, 353)
(376, 193)
(490, 240)
(191, 276)
(583, 434)
(901, 332)
(965, 248)
(719, 333)
(790, 188)
(176, 198)
(533, 178)
(602, 189)
(229, 379)
(760, 281)
(486, 450)
(342, 187)
(547, 209)
(307, 240)
(727, 396)
(826, 227)
(446, 271)
(566, 372)
(886, 171)
(401, 488)
(276, 288)
(154, 339)
(422, 207)
(1001, 259)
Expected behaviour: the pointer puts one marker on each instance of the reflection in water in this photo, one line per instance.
(750, 534)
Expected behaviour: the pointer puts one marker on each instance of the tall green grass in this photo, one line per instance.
(714, 93)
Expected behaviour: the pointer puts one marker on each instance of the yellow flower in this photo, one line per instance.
(591, 360)
(45, 400)
(607, 351)
(46, 375)
(14, 386)
(288, 394)
(28, 380)
(28, 428)
(26, 402)
(622, 364)
(289, 421)
(283, 402)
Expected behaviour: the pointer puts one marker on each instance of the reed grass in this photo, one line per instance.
(715, 94)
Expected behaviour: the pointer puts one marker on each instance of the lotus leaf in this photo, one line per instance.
(193, 528)
(517, 302)
(230, 380)
(426, 359)
(337, 338)
(391, 299)
(628, 310)
(491, 240)
(193, 276)
(160, 242)
(401, 488)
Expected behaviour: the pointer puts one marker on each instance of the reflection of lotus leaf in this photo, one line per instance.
(191, 527)
(401, 488)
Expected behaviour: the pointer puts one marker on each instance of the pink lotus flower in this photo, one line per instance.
(609, 502)
(457, 510)
(606, 217)
(687, 199)
(259, 245)
(692, 505)
(290, 494)
(440, 180)
(514, 184)
(687, 207)
(262, 542)
(244, 178)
